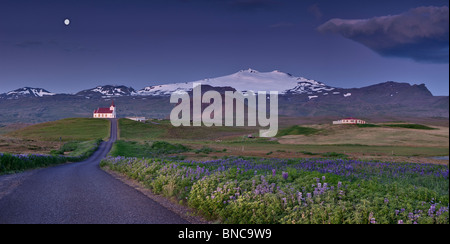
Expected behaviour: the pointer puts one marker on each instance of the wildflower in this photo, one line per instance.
(273, 172)
(299, 198)
(285, 175)
(371, 218)
(284, 201)
(386, 200)
(400, 222)
(431, 210)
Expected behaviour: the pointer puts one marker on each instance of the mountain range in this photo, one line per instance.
(243, 81)
(298, 97)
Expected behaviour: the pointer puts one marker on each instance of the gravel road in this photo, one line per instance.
(78, 193)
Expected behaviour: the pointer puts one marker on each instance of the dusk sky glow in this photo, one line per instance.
(345, 43)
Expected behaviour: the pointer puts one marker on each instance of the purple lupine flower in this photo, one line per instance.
(285, 175)
(441, 210)
(274, 172)
(371, 218)
(386, 200)
(400, 222)
(431, 210)
(299, 198)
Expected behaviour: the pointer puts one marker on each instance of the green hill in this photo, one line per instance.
(72, 129)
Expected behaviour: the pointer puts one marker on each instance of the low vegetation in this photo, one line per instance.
(302, 191)
(82, 149)
(297, 130)
(79, 151)
(72, 129)
(75, 139)
(330, 188)
(147, 150)
(410, 126)
(367, 125)
(163, 129)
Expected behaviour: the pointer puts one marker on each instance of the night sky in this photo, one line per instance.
(345, 43)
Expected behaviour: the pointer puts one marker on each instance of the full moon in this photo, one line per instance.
(66, 21)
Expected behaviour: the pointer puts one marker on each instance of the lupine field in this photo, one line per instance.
(298, 191)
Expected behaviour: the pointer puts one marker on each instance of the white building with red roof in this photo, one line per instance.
(108, 113)
(349, 121)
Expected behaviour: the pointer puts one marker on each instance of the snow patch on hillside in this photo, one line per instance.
(244, 81)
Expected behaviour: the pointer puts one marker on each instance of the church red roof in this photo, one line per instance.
(103, 111)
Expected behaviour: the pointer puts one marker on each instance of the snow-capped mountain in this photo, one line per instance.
(26, 92)
(107, 91)
(247, 80)
(298, 97)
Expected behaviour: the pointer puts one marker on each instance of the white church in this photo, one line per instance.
(108, 113)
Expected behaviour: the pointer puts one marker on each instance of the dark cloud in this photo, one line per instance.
(421, 33)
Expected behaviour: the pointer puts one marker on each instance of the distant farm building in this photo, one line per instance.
(349, 121)
(138, 119)
(109, 113)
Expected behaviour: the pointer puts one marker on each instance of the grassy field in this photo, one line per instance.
(384, 141)
(72, 129)
(156, 149)
(309, 174)
(373, 136)
(405, 142)
(317, 173)
(163, 129)
(52, 136)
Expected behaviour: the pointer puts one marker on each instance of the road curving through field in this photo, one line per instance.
(78, 193)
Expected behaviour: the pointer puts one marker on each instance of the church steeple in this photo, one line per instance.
(113, 107)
